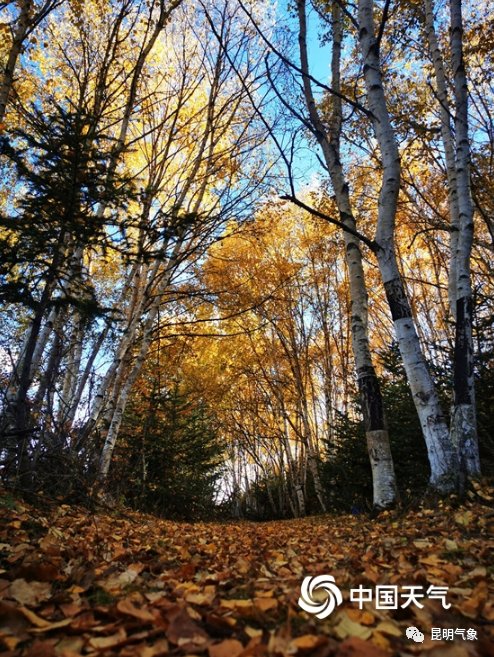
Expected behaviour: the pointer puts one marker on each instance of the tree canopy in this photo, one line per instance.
(234, 279)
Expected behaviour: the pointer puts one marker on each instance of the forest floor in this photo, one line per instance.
(115, 583)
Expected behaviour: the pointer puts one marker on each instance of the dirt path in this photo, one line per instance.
(74, 583)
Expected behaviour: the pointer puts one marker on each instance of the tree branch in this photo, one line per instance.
(372, 244)
(317, 82)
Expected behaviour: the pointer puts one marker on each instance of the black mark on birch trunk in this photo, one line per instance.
(462, 364)
(372, 403)
(397, 300)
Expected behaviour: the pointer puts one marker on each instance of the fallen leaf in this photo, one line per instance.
(238, 605)
(472, 605)
(265, 604)
(33, 618)
(125, 606)
(348, 628)
(464, 518)
(53, 626)
(252, 632)
(306, 643)
(143, 650)
(183, 630)
(356, 647)
(104, 642)
(31, 593)
(118, 581)
(42, 649)
(380, 640)
(227, 648)
(50, 544)
(389, 628)
(9, 641)
(12, 620)
(361, 616)
(70, 645)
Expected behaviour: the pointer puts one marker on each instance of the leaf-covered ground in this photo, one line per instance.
(80, 583)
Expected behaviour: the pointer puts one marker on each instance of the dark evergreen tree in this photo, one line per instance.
(63, 163)
(63, 181)
(346, 469)
(168, 461)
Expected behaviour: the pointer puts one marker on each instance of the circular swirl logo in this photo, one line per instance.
(326, 607)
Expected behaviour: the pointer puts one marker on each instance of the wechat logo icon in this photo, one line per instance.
(415, 634)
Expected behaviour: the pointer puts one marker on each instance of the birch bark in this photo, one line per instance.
(448, 144)
(441, 453)
(384, 484)
(463, 420)
(123, 391)
(19, 35)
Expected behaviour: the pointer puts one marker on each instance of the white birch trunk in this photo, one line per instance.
(122, 392)
(20, 31)
(442, 456)
(136, 287)
(384, 486)
(463, 420)
(457, 153)
(295, 495)
(449, 148)
(72, 371)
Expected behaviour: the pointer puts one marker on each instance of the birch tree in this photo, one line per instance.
(218, 137)
(442, 456)
(456, 144)
(184, 150)
(329, 139)
(16, 33)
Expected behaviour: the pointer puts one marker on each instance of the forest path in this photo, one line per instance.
(80, 583)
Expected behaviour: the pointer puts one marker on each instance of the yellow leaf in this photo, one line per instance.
(464, 518)
(347, 627)
(242, 605)
(252, 632)
(34, 618)
(53, 626)
(307, 642)
(265, 604)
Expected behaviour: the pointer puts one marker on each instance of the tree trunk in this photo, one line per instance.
(122, 392)
(442, 457)
(463, 420)
(457, 151)
(20, 31)
(384, 483)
